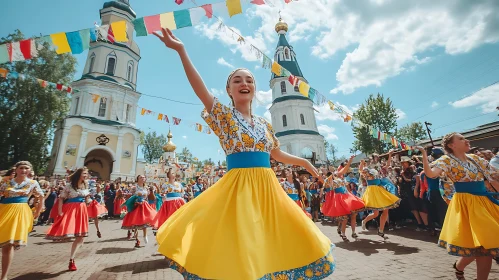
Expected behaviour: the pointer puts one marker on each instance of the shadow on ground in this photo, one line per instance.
(408, 233)
(115, 250)
(38, 275)
(369, 247)
(138, 267)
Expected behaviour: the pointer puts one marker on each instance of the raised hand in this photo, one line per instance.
(169, 39)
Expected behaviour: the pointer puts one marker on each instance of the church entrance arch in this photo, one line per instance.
(99, 163)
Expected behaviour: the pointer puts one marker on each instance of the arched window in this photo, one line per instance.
(297, 89)
(283, 87)
(286, 53)
(111, 64)
(284, 121)
(129, 71)
(102, 107)
(91, 64)
(302, 118)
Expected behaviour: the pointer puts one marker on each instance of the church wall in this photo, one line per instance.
(126, 161)
(113, 141)
(103, 170)
(72, 146)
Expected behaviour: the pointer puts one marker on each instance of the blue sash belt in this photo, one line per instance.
(294, 196)
(475, 188)
(173, 195)
(151, 201)
(248, 160)
(75, 199)
(313, 191)
(196, 194)
(326, 190)
(15, 199)
(341, 190)
(376, 182)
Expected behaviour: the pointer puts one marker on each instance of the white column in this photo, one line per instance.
(80, 157)
(117, 162)
(59, 168)
(134, 157)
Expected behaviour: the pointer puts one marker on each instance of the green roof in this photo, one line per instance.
(296, 131)
(103, 122)
(291, 66)
(121, 6)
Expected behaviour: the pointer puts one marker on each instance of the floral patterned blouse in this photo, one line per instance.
(169, 188)
(236, 134)
(69, 192)
(289, 188)
(338, 183)
(26, 188)
(140, 191)
(370, 174)
(456, 172)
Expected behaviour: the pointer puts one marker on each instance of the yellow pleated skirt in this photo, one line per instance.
(16, 222)
(245, 227)
(378, 198)
(471, 227)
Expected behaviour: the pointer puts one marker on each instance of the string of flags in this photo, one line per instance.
(5, 73)
(175, 121)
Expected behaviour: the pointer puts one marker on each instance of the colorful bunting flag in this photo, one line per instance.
(3, 72)
(75, 42)
(95, 98)
(143, 111)
(304, 88)
(15, 53)
(182, 18)
(140, 27)
(119, 31)
(234, 7)
(85, 38)
(25, 47)
(331, 105)
(168, 21)
(276, 68)
(176, 121)
(293, 80)
(311, 93)
(258, 2)
(197, 14)
(4, 54)
(160, 117)
(166, 119)
(153, 23)
(208, 8)
(60, 41)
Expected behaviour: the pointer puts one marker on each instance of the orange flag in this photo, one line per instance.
(95, 98)
(160, 117)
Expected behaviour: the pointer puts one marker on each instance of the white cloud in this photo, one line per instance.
(383, 37)
(325, 113)
(185, 137)
(222, 61)
(267, 114)
(216, 92)
(263, 98)
(487, 98)
(400, 114)
(327, 132)
(434, 104)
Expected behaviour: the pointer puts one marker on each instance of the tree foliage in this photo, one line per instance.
(331, 151)
(29, 113)
(411, 133)
(152, 146)
(379, 113)
(185, 155)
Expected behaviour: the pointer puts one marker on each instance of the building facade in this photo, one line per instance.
(99, 131)
(293, 117)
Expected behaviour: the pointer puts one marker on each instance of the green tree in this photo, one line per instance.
(331, 151)
(30, 113)
(152, 146)
(185, 155)
(208, 162)
(411, 133)
(379, 113)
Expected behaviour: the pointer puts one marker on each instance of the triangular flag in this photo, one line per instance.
(293, 80)
(258, 2)
(95, 98)
(160, 117)
(143, 111)
(208, 8)
(110, 35)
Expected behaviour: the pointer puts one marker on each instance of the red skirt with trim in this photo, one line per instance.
(53, 212)
(72, 223)
(340, 205)
(301, 206)
(167, 209)
(117, 206)
(96, 210)
(141, 216)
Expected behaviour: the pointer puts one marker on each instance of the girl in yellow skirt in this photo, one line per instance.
(472, 220)
(244, 226)
(376, 196)
(16, 218)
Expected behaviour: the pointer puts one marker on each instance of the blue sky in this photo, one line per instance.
(430, 58)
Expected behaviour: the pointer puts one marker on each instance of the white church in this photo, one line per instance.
(293, 116)
(99, 131)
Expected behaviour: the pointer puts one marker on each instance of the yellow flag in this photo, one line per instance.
(160, 117)
(276, 68)
(331, 104)
(61, 42)
(119, 31)
(167, 20)
(304, 88)
(95, 98)
(234, 7)
(143, 111)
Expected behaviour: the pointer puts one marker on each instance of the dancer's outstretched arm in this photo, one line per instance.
(286, 158)
(192, 74)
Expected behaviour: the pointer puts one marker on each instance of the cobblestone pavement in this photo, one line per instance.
(407, 255)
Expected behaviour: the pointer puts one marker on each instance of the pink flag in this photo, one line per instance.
(176, 121)
(208, 9)
(153, 23)
(258, 2)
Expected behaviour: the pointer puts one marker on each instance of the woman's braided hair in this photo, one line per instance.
(448, 140)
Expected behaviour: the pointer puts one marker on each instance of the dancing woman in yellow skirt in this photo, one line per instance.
(376, 196)
(472, 221)
(245, 226)
(16, 218)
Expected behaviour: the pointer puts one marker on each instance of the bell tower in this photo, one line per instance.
(292, 113)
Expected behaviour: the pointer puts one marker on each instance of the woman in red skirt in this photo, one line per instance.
(72, 221)
(96, 210)
(118, 202)
(293, 188)
(340, 203)
(174, 193)
(140, 214)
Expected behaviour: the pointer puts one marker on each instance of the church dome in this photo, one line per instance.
(122, 5)
(281, 25)
(169, 146)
